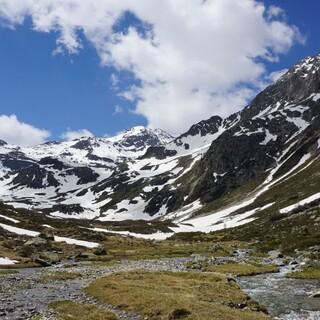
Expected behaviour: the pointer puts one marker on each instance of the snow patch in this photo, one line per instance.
(152, 236)
(269, 137)
(301, 203)
(9, 219)
(7, 261)
(316, 97)
(219, 220)
(20, 231)
(30, 233)
(81, 243)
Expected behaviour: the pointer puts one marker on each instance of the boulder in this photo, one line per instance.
(100, 251)
(37, 241)
(47, 234)
(47, 258)
(275, 254)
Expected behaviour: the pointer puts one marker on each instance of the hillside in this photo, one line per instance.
(256, 164)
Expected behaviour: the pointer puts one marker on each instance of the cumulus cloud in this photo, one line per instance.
(190, 58)
(76, 134)
(117, 110)
(276, 75)
(19, 133)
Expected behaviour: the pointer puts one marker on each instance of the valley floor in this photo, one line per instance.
(198, 287)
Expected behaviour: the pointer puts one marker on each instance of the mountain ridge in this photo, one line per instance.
(148, 174)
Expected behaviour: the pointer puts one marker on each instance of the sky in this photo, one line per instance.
(71, 68)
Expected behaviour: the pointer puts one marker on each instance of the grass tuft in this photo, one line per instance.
(308, 272)
(242, 269)
(68, 310)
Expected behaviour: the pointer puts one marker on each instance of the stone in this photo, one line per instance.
(275, 254)
(37, 241)
(231, 280)
(100, 251)
(47, 258)
(47, 234)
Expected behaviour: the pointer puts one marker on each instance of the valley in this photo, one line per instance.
(220, 220)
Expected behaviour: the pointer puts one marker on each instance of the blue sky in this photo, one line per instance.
(74, 90)
(58, 91)
(304, 15)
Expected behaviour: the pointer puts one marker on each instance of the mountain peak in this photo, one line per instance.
(2, 143)
(141, 137)
(307, 66)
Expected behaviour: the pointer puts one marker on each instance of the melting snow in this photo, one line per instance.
(30, 233)
(80, 243)
(47, 226)
(269, 137)
(316, 97)
(19, 231)
(301, 203)
(7, 261)
(185, 212)
(152, 236)
(9, 219)
(218, 220)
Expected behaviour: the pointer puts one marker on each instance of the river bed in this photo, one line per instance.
(285, 298)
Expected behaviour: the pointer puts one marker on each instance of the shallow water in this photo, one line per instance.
(287, 299)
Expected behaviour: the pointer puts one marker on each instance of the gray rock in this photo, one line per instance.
(275, 254)
(38, 241)
(47, 259)
(100, 251)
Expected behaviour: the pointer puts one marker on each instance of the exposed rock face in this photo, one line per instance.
(159, 152)
(35, 177)
(204, 127)
(286, 111)
(140, 137)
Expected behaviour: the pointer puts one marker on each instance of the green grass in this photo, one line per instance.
(183, 295)
(242, 269)
(68, 310)
(6, 272)
(308, 272)
(37, 317)
(120, 248)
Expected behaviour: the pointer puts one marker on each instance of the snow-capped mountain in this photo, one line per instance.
(220, 173)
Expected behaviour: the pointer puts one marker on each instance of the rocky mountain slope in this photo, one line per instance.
(221, 173)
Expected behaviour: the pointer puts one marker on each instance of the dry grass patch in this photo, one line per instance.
(119, 248)
(242, 269)
(183, 295)
(68, 310)
(308, 272)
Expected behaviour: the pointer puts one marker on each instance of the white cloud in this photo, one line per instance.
(117, 109)
(19, 133)
(276, 75)
(76, 134)
(196, 58)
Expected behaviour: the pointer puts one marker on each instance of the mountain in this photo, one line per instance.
(221, 173)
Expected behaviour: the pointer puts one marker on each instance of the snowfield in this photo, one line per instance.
(31, 233)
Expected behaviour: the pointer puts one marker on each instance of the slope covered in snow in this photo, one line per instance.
(193, 179)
